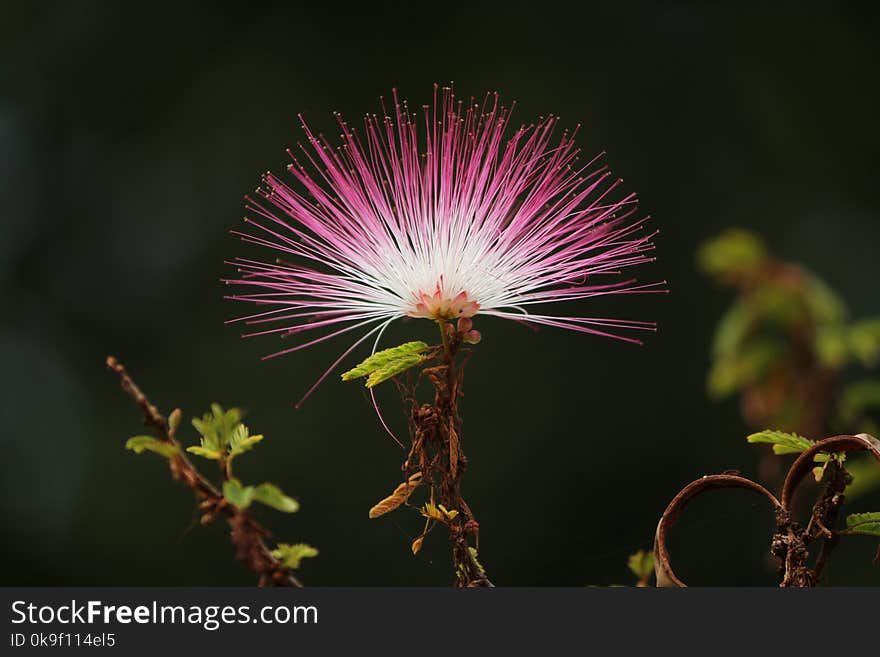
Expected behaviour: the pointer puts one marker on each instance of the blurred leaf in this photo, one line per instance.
(783, 443)
(417, 544)
(139, 444)
(831, 346)
(237, 495)
(385, 364)
(271, 495)
(864, 341)
(732, 254)
(729, 373)
(863, 523)
(856, 400)
(866, 476)
(779, 304)
(824, 304)
(398, 497)
(732, 329)
(292, 555)
(641, 564)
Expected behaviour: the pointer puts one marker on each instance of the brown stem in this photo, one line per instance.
(247, 535)
(436, 452)
(790, 542)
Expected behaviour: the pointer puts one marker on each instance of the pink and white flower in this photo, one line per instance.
(470, 217)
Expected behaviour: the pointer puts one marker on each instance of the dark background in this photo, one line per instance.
(129, 135)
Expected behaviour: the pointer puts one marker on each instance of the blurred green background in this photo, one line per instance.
(129, 134)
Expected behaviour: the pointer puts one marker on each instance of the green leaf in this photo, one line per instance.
(641, 564)
(746, 365)
(783, 443)
(733, 253)
(393, 369)
(473, 552)
(240, 441)
(732, 329)
(204, 452)
(824, 304)
(864, 341)
(237, 495)
(292, 555)
(856, 400)
(271, 495)
(831, 346)
(863, 523)
(385, 364)
(221, 432)
(139, 444)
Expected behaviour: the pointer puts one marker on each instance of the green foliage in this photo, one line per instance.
(823, 303)
(856, 402)
(237, 495)
(734, 253)
(865, 476)
(222, 434)
(641, 564)
(140, 444)
(271, 495)
(388, 363)
(241, 497)
(474, 554)
(292, 555)
(783, 443)
(733, 370)
(864, 341)
(863, 523)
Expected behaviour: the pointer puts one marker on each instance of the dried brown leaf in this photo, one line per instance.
(398, 497)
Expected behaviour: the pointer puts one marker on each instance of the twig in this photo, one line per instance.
(247, 535)
(435, 433)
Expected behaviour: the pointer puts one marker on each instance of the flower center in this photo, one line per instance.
(438, 305)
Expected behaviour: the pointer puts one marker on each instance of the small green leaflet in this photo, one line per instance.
(863, 523)
(222, 434)
(783, 443)
(269, 494)
(138, 444)
(291, 555)
(473, 552)
(641, 564)
(240, 441)
(237, 495)
(388, 363)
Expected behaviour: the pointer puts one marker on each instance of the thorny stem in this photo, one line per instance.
(247, 536)
(435, 431)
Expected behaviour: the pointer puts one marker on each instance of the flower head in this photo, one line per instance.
(445, 213)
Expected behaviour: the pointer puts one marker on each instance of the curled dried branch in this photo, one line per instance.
(805, 461)
(662, 566)
(790, 541)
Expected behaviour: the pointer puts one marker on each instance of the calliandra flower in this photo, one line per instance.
(445, 213)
